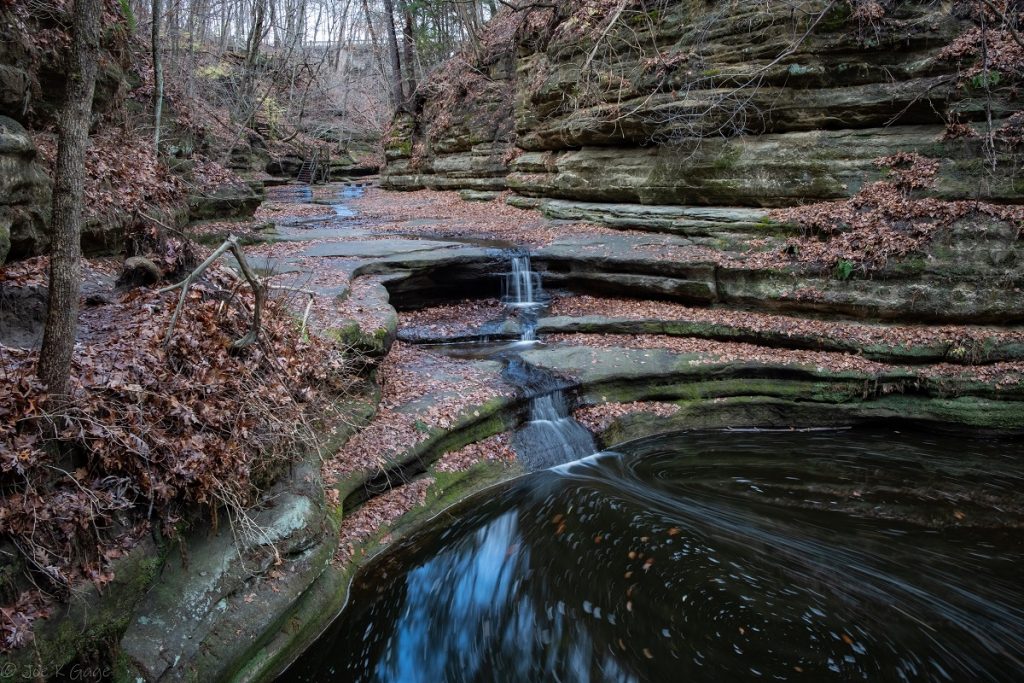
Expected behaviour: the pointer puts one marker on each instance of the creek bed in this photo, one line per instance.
(866, 554)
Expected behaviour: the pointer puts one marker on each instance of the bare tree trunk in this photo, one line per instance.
(66, 228)
(342, 35)
(174, 28)
(379, 57)
(409, 56)
(396, 60)
(257, 33)
(158, 76)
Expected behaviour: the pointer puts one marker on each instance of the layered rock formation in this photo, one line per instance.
(750, 104)
(33, 74)
(691, 118)
(24, 192)
(32, 79)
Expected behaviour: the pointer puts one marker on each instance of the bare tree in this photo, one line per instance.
(158, 75)
(66, 226)
(409, 52)
(396, 61)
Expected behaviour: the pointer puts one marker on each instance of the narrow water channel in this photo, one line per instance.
(861, 555)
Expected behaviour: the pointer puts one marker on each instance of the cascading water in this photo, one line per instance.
(523, 292)
(551, 437)
(522, 285)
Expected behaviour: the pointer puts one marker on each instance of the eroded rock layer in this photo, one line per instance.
(692, 103)
(708, 120)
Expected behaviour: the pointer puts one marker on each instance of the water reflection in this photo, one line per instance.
(853, 556)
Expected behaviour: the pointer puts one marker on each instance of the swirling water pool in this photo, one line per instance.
(877, 555)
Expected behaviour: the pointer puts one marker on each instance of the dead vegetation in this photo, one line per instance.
(453, 217)
(886, 220)
(755, 322)
(376, 514)
(421, 391)
(711, 352)
(497, 448)
(157, 435)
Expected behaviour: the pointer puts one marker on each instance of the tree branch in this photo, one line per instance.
(258, 288)
(1007, 24)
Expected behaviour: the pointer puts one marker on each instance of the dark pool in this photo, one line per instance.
(854, 555)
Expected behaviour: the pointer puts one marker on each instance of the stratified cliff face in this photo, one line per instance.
(746, 103)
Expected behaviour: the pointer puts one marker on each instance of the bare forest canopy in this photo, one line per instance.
(347, 64)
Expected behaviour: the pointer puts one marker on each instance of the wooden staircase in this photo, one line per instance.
(307, 173)
(315, 170)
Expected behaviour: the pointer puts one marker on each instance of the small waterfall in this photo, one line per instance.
(528, 329)
(523, 292)
(551, 437)
(522, 285)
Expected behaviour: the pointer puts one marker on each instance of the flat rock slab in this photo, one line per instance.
(310, 230)
(599, 364)
(684, 220)
(377, 248)
(208, 608)
(478, 195)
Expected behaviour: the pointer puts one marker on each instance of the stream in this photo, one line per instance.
(868, 554)
(850, 555)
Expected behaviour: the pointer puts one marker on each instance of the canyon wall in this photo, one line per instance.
(745, 103)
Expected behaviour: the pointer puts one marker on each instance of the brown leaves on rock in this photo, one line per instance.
(714, 352)
(497, 448)
(450, 216)
(862, 334)
(371, 313)
(883, 221)
(598, 418)
(909, 170)
(378, 512)
(122, 172)
(210, 175)
(450, 320)
(16, 620)
(711, 352)
(271, 210)
(421, 391)
(988, 53)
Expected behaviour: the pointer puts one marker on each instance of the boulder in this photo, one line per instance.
(139, 271)
(227, 201)
(249, 157)
(24, 194)
(15, 89)
(288, 165)
(477, 196)
(344, 164)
